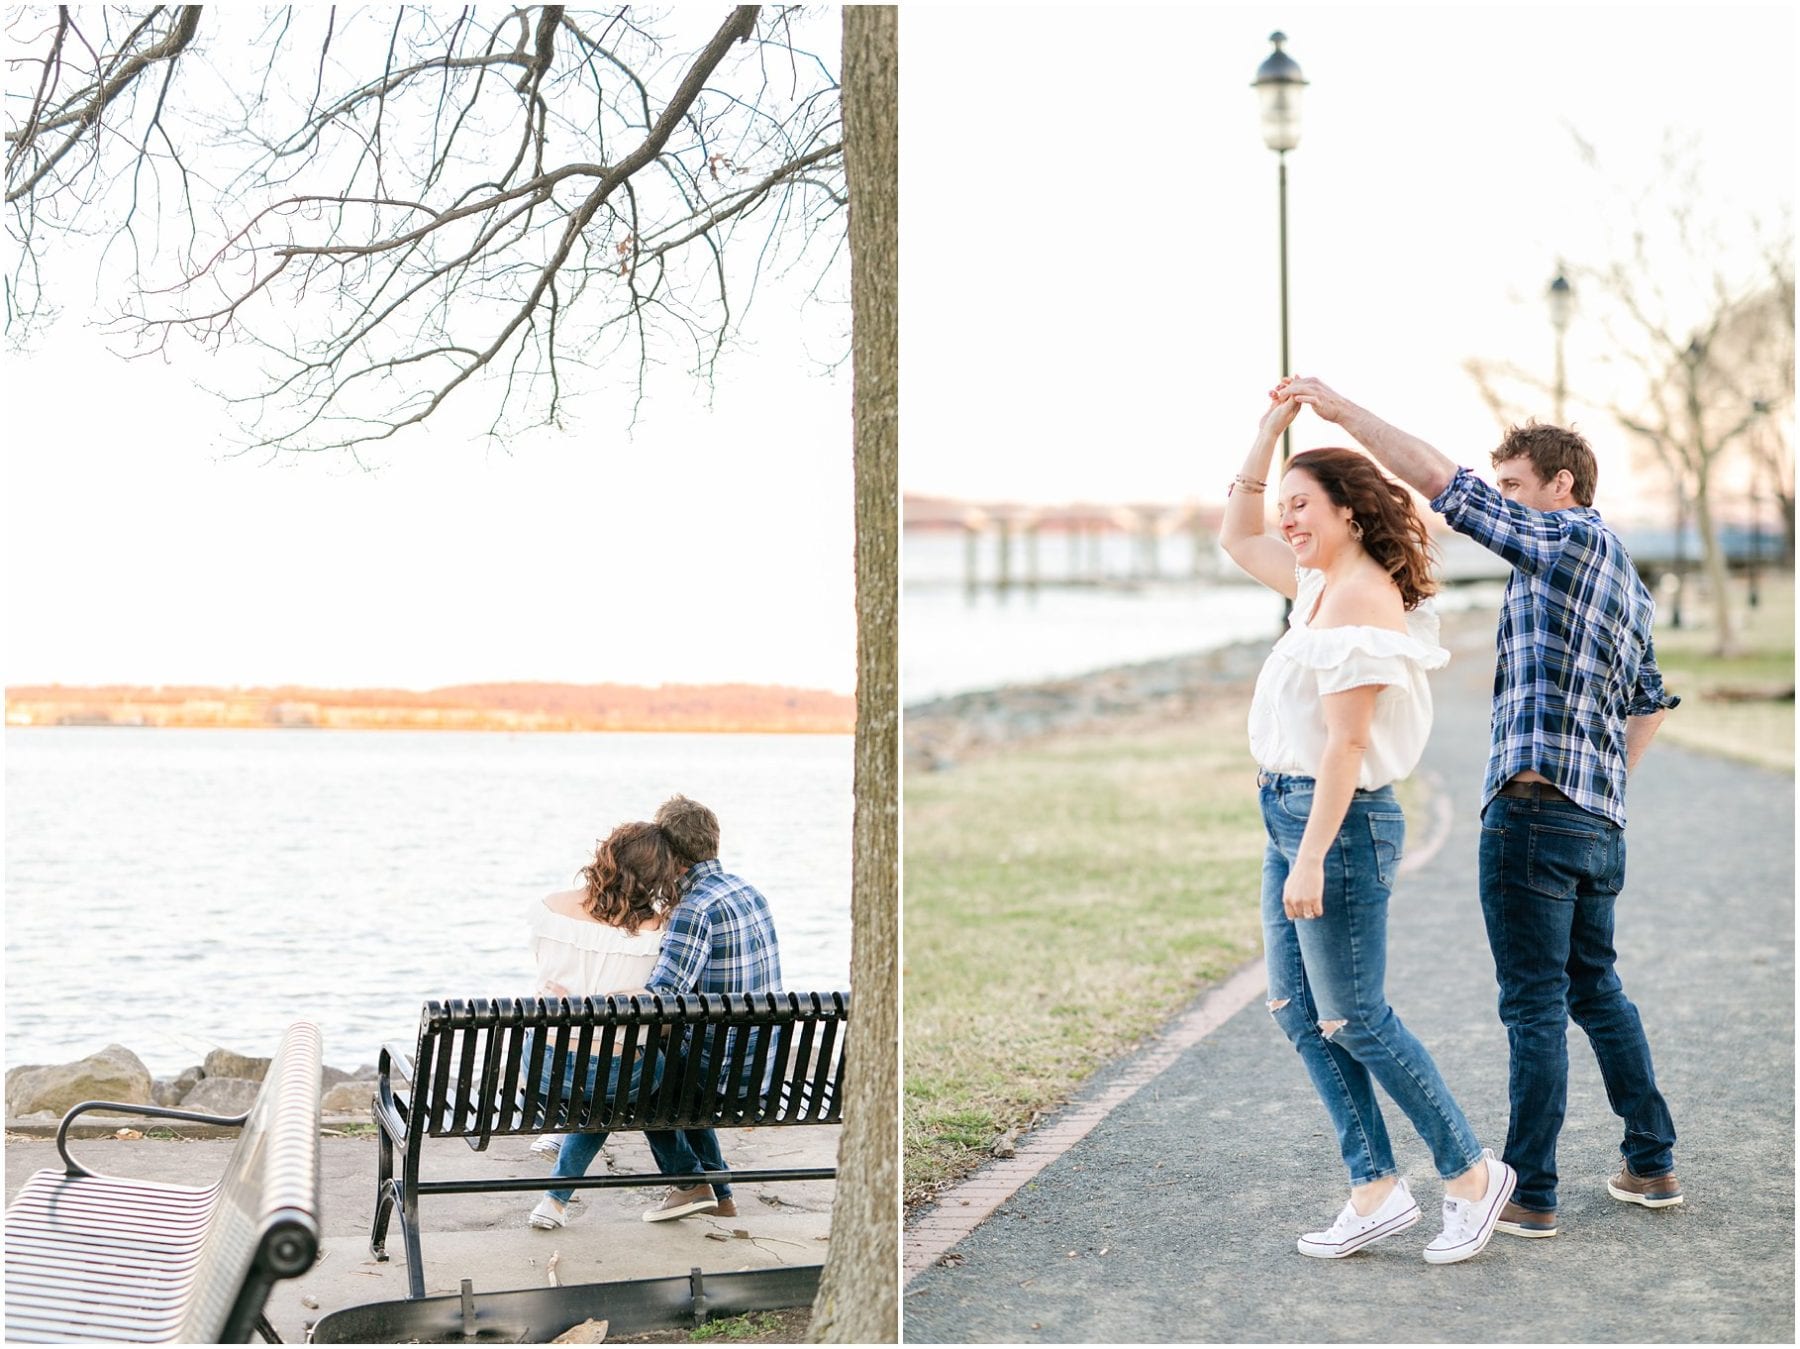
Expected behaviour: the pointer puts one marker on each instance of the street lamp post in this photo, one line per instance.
(1279, 82)
(1562, 302)
(1761, 409)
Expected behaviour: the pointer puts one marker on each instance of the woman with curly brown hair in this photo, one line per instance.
(1341, 711)
(602, 937)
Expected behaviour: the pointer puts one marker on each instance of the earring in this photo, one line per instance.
(1356, 530)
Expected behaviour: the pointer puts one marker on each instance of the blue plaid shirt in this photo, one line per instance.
(1575, 655)
(721, 938)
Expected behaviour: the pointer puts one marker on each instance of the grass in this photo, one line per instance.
(1041, 882)
(1759, 730)
(750, 1326)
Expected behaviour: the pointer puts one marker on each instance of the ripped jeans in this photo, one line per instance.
(1326, 979)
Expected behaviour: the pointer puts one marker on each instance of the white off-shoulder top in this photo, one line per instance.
(589, 958)
(1287, 716)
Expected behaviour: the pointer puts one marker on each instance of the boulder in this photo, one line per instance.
(329, 1077)
(224, 1063)
(172, 1091)
(114, 1074)
(221, 1095)
(347, 1098)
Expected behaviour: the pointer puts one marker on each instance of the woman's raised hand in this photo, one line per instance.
(1280, 414)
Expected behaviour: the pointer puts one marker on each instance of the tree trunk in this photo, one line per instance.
(859, 1294)
(1713, 558)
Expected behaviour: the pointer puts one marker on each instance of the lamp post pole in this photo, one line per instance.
(1761, 409)
(1562, 299)
(1279, 82)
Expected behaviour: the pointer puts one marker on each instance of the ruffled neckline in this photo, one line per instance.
(591, 936)
(1322, 648)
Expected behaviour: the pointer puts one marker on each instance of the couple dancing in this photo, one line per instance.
(1342, 709)
(656, 912)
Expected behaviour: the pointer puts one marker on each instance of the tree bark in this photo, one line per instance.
(858, 1298)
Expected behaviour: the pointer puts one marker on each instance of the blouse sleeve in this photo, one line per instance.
(1361, 669)
(1352, 657)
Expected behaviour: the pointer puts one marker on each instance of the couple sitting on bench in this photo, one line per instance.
(656, 913)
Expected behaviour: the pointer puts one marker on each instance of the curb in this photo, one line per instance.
(108, 1126)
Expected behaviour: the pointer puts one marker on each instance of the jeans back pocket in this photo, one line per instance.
(1558, 862)
(1387, 830)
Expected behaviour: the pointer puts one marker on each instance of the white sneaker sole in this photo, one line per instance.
(543, 1148)
(1468, 1250)
(659, 1215)
(1320, 1251)
(1643, 1200)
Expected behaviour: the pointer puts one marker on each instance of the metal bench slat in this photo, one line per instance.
(92, 1257)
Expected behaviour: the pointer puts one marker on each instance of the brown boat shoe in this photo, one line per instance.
(680, 1201)
(1526, 1222)
(1649, 1191)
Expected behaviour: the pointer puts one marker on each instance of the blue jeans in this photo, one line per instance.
(579, 1149)
(1550, 873)
(1326, 980)
(682, 1152)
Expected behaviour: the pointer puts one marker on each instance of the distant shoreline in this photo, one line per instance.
(512, 707)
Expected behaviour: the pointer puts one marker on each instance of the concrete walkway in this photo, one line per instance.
(484, 1237)
(1173, 1218)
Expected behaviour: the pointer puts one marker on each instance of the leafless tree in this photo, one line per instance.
(464, 210)
(1691, 352)
(395, 208)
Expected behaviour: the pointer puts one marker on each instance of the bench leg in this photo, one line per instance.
(409, 1235)
(386, 1192)
(266, 1330)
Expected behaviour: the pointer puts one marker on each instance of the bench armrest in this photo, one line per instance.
(396, 1060)
(389, 1106)
(74, 1168)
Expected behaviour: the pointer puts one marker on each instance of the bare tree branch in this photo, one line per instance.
(487, 204)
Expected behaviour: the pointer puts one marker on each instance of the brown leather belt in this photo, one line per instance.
(1534, 791)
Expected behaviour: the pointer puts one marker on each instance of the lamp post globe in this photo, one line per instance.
(1279, 82)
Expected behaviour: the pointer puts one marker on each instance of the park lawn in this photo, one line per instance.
(1757, 730)
(1063, 900)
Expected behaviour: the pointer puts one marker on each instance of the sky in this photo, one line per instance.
(1089, 312)
(713, 542)
(1090, 301)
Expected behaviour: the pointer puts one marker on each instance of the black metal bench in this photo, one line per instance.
(94, 1257)
(708, 1061)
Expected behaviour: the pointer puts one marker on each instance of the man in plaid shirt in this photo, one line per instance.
(1577, 699)
(721, 939)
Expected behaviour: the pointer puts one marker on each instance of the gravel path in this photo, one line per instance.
(1174, 1220)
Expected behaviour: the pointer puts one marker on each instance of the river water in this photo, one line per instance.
(177, 890)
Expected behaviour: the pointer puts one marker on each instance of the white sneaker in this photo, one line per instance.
(549, 1145)
(1468, 1223)
(1352, 1230)
(548, 1215)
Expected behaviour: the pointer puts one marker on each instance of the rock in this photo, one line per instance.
(114, 1074)
(172, 1091)
(221, 1095)
(224, 1063)
(347, 1098)
(329, 1077)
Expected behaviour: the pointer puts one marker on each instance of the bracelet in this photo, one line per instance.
(1248, 484)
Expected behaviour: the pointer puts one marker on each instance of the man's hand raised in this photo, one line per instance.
(1317, 395)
